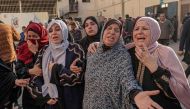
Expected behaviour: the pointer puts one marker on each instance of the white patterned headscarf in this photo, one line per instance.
(55, 53)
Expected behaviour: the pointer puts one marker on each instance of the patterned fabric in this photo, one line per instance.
(109, 78)
(69, 84)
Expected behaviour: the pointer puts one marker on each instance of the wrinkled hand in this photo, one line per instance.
(180, 53)
(150, 61)
(74, 68)
(52, 101)
(143, 100)
(36, 70)
(22, 82)
(33, 47)
(93, 47)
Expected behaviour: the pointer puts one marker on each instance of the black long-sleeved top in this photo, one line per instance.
(155, 81)
(32, 97)
(7, 83)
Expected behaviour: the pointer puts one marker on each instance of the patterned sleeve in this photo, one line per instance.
(40, 56)
(64, 75)
(128, 81)
(36, 82)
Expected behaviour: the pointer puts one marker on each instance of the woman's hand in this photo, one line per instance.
(74, 68)
(50, 66)
(146, 58)
(180, 53)
(93, 47)
(143, 100)
(36, 70)
(33, 47)
(52, 101)
(22, 82)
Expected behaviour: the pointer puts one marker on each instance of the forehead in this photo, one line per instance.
(55, 25)
(162, 15)
(142, 23)
(113, 25)
(89, 21)
(31, 32)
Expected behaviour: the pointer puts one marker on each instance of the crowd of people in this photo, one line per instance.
(114, 64)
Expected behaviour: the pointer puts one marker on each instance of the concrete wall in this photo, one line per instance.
(113, 8)
(87, 9)
(17, 20)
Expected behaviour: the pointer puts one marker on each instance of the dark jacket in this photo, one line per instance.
(7, 83)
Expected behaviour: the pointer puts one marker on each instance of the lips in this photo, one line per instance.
(90, 31)
(140, 39)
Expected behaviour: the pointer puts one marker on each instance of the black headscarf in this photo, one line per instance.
(87, 40)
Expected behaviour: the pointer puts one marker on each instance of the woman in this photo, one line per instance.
(92, 30)
(64, 87)
(157, 67)
(109, 80)
(27, 53)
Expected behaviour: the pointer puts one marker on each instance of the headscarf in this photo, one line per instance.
(23, 53)
(110, 22)
(111, 67)
(87, 40)
(54, 53)
(167, 59)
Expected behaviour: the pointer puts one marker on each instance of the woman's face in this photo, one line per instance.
(55, 34)
(111, 35)
(32, 35)
(91, 27)
(141, 33)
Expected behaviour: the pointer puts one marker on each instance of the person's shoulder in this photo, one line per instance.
(75, 46)
(124, 52)
(5, 26)
(166, 50)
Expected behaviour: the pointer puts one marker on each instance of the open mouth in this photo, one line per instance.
(55, 37)
(140, 39)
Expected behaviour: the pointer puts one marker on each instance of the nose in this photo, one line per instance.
(89, 27)
(112, 31)
(140, 31)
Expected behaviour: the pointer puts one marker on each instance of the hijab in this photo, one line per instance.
(23, 53)
(54, 53)
(167, 59)
(120, 42)
(87, 40)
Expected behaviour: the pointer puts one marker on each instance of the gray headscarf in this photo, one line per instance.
(54, 53)
(119, 43)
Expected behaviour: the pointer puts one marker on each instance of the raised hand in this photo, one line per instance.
(93, 47)
(36, 70)
(21, 82)
(150, 61)
(33, 47)
(52, 101)
(143, 100)
(74, 68)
